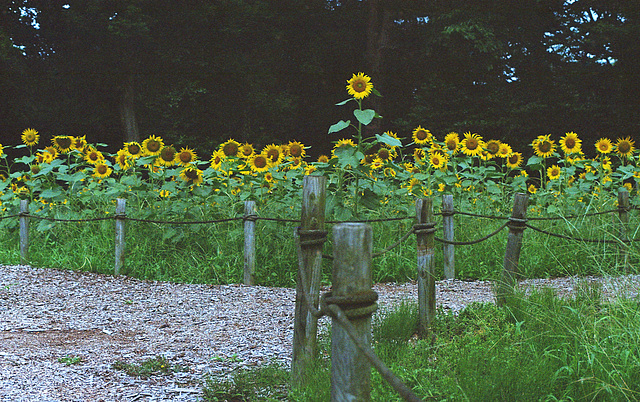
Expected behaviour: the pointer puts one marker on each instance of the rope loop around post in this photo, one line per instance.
(250, 217)
(424, 228)
(448, 212)
(312, 237)
(517, 224)
(358, 305)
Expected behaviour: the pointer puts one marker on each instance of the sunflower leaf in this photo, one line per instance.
(389, 140)
(339, 126)
(344, 102)
(364, 116)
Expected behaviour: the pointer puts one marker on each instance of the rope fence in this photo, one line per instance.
(351, 302)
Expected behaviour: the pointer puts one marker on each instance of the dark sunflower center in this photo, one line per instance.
(93, 156)
(421, 135)
(153, 146)
(513, 159)
(359, 86)
(133, 149)
(545, 146)
(493, 148)
(168, 154)
(102, 169)
(64, 143)
(191, 174)
(260, 162)
(384, 154)
(35, 169)
(246, 151)
(273, 154)
(570, 143)
(185, 157)
(452, 145)
(472, 143)
(30, 137)
(295, 151)
(624, 147)
(230, 149)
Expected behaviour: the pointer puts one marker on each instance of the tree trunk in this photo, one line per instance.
(127, 111)
(377, 41)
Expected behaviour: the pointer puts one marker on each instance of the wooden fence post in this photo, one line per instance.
(426, 265)
(120, 242)
(24, 231)
(623, 215)
(311, 239)
(516, 227)
(350, 369)
(448, 235)
(249, 243)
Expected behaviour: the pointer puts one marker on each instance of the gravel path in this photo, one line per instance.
(48, 314)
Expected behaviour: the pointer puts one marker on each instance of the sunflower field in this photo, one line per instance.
(68, 177)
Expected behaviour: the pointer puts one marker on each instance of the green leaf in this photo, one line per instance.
(364, 116)
(344, 102)
(339, 126)
(389, 140)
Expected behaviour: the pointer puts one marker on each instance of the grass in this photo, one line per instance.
(158, 365)
(538, 347)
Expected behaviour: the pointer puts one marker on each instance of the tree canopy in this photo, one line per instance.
(262, 71)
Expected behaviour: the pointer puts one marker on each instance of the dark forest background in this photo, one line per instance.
(200, 72)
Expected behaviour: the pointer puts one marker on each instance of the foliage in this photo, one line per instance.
(154, 366)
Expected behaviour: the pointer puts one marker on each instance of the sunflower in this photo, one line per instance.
(570, 143)
(437, 160)
(505, 150)
(123, 159)
(44, 157)
(133, 149)
(386, 154)
(164, 193)
(572, 159)
(231, 148)
(543, 146)
(625, 147)
(419, 155)
(63, 143)
(294, 163)
(606, 163)
(30, 137)
(79, 143)
(152, 146)
(389, 172)
(492, 147)
(102, 170)
(421, 136)
(246, 150)
(93, 156)
(514, 160)
(186, 156)
(52, 151)
(452, 142)
(167, 156)
(342, 144)
(323, 159)
(603, 145)
(553, 172)
(376, 164)
(192, 174)
(268, 177)
(216, 159)
(532, 189)
(259, 162)
(472, 144)
(359, 86)
(273, 153)
(296, 149)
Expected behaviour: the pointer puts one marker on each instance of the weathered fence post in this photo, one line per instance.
(350, 369)
(448, 235)
(516, 227)
(24, 231)
(120, 242)
(426, 264)
(311, 236)
(249, 243)
(623, 215)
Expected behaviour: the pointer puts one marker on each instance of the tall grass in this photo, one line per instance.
(539, 347)
(213, 253)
